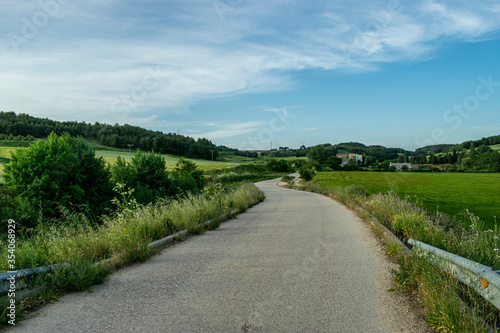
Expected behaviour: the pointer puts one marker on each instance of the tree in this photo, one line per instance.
(150, 178)
(62, 171)
(318, 154)
(188, 172)
(278, 165)
(385, 165)
(472, 151)
(306, 172)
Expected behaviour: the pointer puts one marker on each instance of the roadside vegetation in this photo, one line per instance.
(450, 193)
(123, 236)
(96, 200)
(450, 305)
(70, 206)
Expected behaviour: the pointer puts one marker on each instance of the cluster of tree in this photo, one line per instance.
(448, 148)
(284, 165)
(481, 159)
(119, 136)
(146, 174)
(373, 152)
(376, 152)
(321, 157)
(223, 150)
(248, 154)
(64, 173)
(470, 157)
(11, 137)
(287, 152)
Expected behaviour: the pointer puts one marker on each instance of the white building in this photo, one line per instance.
(399, 166)
(356, 158)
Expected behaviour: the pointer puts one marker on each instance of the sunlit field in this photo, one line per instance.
(450, 193)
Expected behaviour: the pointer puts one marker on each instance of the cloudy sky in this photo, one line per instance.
(251, 74)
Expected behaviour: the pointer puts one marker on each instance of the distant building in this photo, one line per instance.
(356, 158)
(399, 166)
(350, 158)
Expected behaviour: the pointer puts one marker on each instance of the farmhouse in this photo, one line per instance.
(356, 158)
(399, 166)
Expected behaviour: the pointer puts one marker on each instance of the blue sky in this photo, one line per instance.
(254, 74)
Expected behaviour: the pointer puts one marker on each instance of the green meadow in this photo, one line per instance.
(450, 193)
(110, 156)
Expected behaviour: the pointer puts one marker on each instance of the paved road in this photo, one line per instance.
(298, 262)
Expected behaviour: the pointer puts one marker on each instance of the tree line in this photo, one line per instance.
(14, 125)
(448, 148)
(482, 158)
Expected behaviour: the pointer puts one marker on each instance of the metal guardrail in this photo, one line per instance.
(477, 276)
(24, 278)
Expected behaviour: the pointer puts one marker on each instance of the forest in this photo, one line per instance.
(448, 148)
(118, 136)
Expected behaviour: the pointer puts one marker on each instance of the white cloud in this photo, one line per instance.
(91, 58)
(228, 130)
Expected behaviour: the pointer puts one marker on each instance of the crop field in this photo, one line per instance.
(450, 193)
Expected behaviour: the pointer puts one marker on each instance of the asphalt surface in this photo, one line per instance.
(298, 262)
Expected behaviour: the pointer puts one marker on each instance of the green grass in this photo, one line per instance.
(6, 151)
(110, 157)
(124, 236)
(5, 157)
(449, 193)
(496, 147)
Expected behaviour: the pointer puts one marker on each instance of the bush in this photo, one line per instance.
(188, 177)
(306, 173)
(146, 174)
(278, 165)
(62, 171)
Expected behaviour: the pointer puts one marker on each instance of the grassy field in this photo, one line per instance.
(5, 155)
(449, 193)
(110, 157)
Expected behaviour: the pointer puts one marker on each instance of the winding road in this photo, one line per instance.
(298, 262)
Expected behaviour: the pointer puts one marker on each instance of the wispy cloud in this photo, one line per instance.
(228, 130)
(89, 55)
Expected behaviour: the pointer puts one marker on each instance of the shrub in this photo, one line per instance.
(189, 177)
(146, 174)
(306, 173)
(62, 171)
(278, 165)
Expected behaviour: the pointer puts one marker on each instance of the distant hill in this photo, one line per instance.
(448, 148)
(118, 136)
(379, 152)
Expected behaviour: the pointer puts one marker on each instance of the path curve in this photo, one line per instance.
(298, 262)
